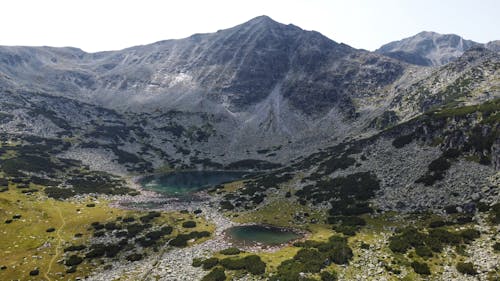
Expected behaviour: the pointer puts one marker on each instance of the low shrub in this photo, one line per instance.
(423, 251)
(217, 274)
(134, 257)
(313, 257)
(421, 268)
(252, 264)
(197, 262)
(59, 193)
(97, 225)
(328, 276)
(178, 242)
(210, 263)
(398, 245)
(230, 251)
(73, 260)
(189, 224)
(466, 268)
(437, 223)
(451, 153)
(96, 251)
(346, 230)
(166, 230)
(154, 235)
(128, 219)
(73, 248)
(403, 140)
(440, 164)
(469, 234)
(226, 205)
(149, 217)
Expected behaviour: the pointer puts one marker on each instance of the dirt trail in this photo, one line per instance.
(59, 242)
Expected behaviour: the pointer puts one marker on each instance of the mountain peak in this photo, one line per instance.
(493, 45)
(262, 18)
(426, 33)
(262, 21)
(427, 48)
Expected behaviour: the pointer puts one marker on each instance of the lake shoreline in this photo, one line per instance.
(188, 183)
(176, 263)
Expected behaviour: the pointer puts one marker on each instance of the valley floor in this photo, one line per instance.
(373, 260)
(28, 246)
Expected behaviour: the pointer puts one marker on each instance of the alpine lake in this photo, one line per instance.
(184, 184)
(257, 234)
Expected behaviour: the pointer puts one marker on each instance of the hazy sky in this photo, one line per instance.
(94, 25)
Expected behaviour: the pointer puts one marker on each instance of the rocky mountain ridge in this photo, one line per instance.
(260, 91)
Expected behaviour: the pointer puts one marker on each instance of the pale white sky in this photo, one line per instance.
(98, 25)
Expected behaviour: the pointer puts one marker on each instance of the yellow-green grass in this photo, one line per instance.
(280, 212)
(8, 154)
(232, 186)
(27, 237)
(26, 245)
(164, 169)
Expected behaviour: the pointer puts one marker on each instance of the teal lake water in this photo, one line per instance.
(266, 235)
(185, 183)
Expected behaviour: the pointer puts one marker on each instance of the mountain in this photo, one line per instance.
(260, 80)
(493, 45)
(261, 91)
(427, 48)
(386, 162)
(237, 67)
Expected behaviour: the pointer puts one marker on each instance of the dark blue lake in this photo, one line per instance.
(187, 182)
(261, 234)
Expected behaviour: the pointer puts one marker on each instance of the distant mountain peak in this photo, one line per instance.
(493, 45)
(427, 33)
(427, 48)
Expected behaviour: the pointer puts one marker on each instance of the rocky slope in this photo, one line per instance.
(261, 90)
(443, 158)
(471, 79)
(263, 85)
(389, 167)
